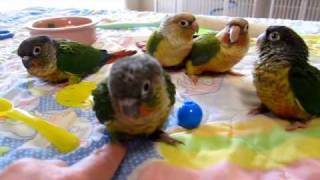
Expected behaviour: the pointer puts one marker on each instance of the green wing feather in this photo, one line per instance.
(102, 102)
(171, 88)
(204, 48)
(153, 42)
(78, 58)
(304, 81)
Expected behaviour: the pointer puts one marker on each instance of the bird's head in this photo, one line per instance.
(38, 54)
(282, 41)
(135, 84)
(181, 25)
(236, 32)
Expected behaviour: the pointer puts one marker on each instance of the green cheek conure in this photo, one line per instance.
(218, 53)
(135, 99)
(286, 83)
(173, 41)
(59, 60)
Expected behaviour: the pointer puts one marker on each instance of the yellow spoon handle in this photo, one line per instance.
(60, 138)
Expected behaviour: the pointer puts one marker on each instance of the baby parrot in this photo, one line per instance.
(173, 42)
(135, 99)
(218, 53)
(59, 60)
(286, 83)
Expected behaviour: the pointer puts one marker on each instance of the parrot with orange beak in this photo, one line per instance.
(135, 100)
(171, 44)
(218, 53)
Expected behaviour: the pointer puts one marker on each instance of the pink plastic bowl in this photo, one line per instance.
(81, 29)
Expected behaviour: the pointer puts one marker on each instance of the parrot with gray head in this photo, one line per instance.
(135, 99)
(285, 82)
(57, 60)
(218, 53)
(173, 41)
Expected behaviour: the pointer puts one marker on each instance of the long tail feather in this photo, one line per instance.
(120, 54)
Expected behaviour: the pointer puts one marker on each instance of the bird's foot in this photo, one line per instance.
(164, 137)
(259, 110)
(194, 79)
(296, 125)
(73, 79)
(233, 73)
(142, 46)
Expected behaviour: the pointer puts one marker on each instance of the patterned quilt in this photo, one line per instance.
(229, 144)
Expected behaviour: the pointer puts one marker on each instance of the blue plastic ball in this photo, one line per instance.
(189, 115)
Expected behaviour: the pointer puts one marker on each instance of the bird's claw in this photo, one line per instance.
(259, 110)
(296, 125)
(194, 79)
(169, 140)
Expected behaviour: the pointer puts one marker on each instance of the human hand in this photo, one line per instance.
(100, 165)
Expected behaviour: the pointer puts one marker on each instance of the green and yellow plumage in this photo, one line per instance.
(166, 52)
(79, 59)
(278, 97)
(215, 52)
(118, 124)
(59, 60)
(152, 110)
(173, 42)
(144, 125)
(286, 83)
(305, 82)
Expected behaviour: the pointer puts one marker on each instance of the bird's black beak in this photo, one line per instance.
(261, 38)
(26, 60)
(129, 107)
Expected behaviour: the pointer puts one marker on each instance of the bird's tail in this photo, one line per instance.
(118, 55)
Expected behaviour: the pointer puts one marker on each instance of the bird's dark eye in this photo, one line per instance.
(274, 36)
(36, 50)
(246, 28)
(184, 23)
(145, 88)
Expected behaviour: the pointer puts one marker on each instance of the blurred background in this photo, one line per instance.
(285, 9)
(8, 5)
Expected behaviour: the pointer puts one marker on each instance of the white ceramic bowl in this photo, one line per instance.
(76, 28)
